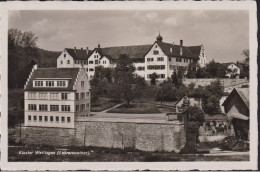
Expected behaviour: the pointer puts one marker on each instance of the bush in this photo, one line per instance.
(234, 144)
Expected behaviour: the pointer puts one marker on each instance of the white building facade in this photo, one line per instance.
(56, 97)
(160, 58)
(232, 70)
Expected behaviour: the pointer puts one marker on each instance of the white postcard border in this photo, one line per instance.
(151, 5)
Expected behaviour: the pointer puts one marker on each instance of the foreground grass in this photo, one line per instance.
(136, 108)
(94, 154)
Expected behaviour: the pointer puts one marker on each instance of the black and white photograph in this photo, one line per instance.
(129, 83)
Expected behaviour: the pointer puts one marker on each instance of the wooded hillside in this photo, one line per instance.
(21, 61)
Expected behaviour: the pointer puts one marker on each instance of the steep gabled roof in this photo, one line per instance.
(243, 93)
(227, 64)
(78, 54)
(188, 52)
(133, 52)
(53, 73)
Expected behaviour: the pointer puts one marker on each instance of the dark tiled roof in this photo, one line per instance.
(227, 64)
(189, 52)
(136, 52)
(243, 93)
(79, 54)
(53, 73)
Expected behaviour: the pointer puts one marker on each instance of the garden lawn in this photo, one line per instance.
(136, 108)
(104, 103)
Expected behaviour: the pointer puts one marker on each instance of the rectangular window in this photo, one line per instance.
(38, 83)
(54, 107)
(57, 119)
(43, 96)
(32, 107)
(29, 117)
(90, 62)
(155, 52)
(68, 119)
(178, 60)
(77, 108)
(87, 94)
(61, 62)
(32, 95)
(87, 106)
(96, 61)
(43, 107)
(35, 118)
(170, 59)
(82, 96)
(91, 69)
(64, 96)
(149, 59)
(77, 96)
(64, 55)
(65, 108)
(82, 107)
(162, 75)
(46, 118)
(51, 118)
(82, 83)
(68, 61)
(40, 118)
(160, 58)
(63, 119)
(54, 96)
(156, 67)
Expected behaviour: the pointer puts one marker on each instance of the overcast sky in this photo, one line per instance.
(223, 33)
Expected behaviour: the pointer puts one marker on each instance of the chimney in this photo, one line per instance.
(75, 51)
(181, 49)
(81, 48)
(171, 49)
(172, 43)
(87, 50)
(98, 45)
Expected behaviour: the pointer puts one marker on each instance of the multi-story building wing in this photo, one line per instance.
(55, 97)
(166, 58)
(73, 58)
(160, 58)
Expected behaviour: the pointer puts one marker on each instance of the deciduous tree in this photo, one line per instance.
(124, 77)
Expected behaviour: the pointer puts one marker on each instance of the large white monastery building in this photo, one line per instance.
(56, 97)
(159, 57)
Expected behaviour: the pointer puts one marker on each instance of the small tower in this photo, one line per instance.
(159, 38)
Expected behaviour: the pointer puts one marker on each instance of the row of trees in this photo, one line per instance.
(217, 70)
(119, 83)
(23, 54)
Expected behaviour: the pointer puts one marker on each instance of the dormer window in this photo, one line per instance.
(38, 83)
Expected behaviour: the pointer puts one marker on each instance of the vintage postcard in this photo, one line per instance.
(129, 86)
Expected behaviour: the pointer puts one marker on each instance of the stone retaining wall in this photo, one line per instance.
(142, 136)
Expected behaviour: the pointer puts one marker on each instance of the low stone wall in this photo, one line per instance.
(142, 136)
(227, 82)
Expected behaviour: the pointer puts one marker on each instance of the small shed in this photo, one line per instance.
(236, 108)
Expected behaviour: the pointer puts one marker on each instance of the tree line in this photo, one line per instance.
(23, 53)
(121, 84)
